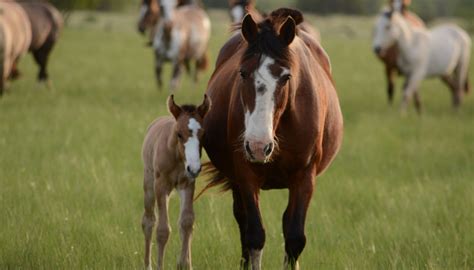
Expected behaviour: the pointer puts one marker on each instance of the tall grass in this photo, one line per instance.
(398, 196)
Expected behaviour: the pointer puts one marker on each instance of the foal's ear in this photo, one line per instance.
(288, 31)
(174, 109)
(204, 107)
(249, 29)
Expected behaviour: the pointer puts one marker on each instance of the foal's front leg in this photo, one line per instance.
(186, 222)
(163, 230)
(300, 191)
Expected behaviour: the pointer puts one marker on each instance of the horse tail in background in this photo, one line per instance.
(203, 62)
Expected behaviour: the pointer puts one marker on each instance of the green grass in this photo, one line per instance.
(398, 196)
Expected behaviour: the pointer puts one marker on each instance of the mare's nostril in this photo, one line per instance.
(188, 169)
(268, 149)
(247, 147)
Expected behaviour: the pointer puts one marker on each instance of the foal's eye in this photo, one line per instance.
(180, 136)
(243, 74)
(285, 78)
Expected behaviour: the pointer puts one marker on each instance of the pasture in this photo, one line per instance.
(398, 196)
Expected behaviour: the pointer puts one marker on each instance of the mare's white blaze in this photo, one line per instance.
(237, 13)
(259, 123)
(191, 147)
(143, 10)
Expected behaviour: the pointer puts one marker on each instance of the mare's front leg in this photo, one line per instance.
(254, 232)
(241, 218)
(186, 222)
(163, 230)
(300, 191)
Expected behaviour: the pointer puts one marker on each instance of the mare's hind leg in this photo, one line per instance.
(163, 230)
(148, 220)
(300, 191)
(240, 216)
(41, 57)
(186, 222)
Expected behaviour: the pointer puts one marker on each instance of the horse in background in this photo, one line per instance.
(275, 123)
(46, 25)
(171, 156)
(15, 39)
(390, 56)
(182, 35)
(442, 51)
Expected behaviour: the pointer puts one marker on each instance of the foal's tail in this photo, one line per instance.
(216, 178)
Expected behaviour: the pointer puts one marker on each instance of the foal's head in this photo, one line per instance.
(265, 75)
(149, 14)
(385, 32)
(189, 133)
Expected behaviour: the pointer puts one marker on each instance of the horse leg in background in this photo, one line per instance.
(390, 73)
(241, 218)
(158, 70)
(148, 220)
(451, 83)
(177, 69)
(14, 73)
(186, 222)
(41, 57)
(411, 86)
(201, 65)
(417, 101)
(163, 230)
(461, 77)
(300, 193)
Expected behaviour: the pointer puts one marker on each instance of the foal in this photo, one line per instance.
(171, 156)
(442, 51)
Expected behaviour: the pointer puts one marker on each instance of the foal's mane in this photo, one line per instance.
(189, 108)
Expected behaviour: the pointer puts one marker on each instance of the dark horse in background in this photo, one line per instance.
(276, 123)
(46, 24)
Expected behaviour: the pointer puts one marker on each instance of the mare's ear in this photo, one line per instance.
(204, 107)
(288, 31)
(174, 109)
(249, 29)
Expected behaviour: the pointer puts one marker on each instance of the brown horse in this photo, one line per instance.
(171, 157)
(390, 57)
(46, 24)
(15, 39)
(276, 123)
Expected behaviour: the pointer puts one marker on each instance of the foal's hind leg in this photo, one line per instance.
(163, 230)
(148, 220)
(186, 222)
(300, 191)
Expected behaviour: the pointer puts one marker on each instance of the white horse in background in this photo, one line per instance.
(442, 51)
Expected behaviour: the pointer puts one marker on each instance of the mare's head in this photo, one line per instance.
(189, 133)
(264, 83)
(386, 33)
(149, 14)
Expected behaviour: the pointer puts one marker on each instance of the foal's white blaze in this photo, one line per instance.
(259, 123)
(191, 147)
(237, 13)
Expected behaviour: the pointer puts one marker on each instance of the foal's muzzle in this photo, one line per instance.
(193, 172)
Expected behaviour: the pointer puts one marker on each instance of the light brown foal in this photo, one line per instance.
(171, 156)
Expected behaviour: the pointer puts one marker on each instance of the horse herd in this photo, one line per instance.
(270, 117)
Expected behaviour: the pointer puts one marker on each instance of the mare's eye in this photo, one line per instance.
(244, 74)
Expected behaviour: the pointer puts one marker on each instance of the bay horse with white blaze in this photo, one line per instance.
(276, 123)
(442, 51)
(171, 157)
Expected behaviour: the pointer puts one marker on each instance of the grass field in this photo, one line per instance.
(398, 196)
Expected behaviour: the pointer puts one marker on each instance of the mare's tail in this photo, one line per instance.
(216, 178)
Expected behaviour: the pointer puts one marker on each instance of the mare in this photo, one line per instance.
(442, 51)
(171, 157)
(46, 24)
(15, 39)
(182, 35)
(276, 123)
(390, 56)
